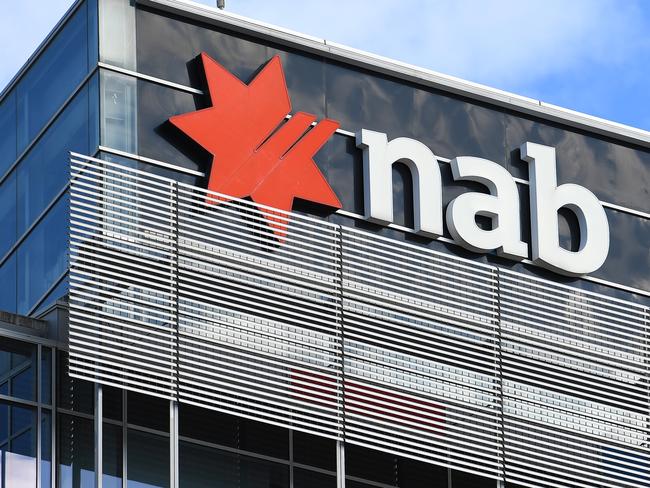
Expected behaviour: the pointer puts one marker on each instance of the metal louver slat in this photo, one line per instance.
(122, 279)
(346, 334)
(575, 386)
(260, 336)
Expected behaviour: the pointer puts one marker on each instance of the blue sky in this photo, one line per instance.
(592, 56)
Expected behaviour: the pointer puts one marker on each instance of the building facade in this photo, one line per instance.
(237, 256)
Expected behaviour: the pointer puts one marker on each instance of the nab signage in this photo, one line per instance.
(259, 154)
(501, 205)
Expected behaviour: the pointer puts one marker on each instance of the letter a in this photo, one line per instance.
(502, 206)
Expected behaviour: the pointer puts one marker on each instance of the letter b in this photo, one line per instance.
(546, 198)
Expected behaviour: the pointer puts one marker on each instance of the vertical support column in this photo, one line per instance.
(341, 323)
(124, 438)
(499, 372)
(340, 464)
(55, 419)
(173, 404)
(99, 434)
(39, 414)
(173, 444)
(290, 458)
(340, 445)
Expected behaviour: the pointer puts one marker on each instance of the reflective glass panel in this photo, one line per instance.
(46, 449)
(264, 439)
(148, 460)
(52, 78)
(17, 446)
(118, 109)
(467, 480)
(43, 172)
(7, 132)
(370, 464)
(42, 257)
(117, 33)
(18, 368)
(76, 452)
(147, 411)
(112, 398)
(303, 478)
(8, 285)
(416, 474)
(203, 467)
(314, 451)
(206, 425)
(58, 292)
(112, 465)
(7, 214)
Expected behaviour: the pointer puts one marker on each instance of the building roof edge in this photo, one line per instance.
(404, 71)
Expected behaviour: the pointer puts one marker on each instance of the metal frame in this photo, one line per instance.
(349, 335)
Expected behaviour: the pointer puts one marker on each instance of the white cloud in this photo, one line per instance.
(525, 46)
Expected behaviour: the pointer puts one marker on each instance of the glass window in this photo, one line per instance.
(303, 478)
(42, 257)
(7, 214)
(370, 464)
(148, 460)
(314, 451)
(197, 464)
(264, 439)
(93, 32)
(7, 132)
(44, 171)
(8, 285)
(76, 452)
(147, 411)
(467, 480)
(357, 484)
(118, 109)
(93, 114)
(46, 449)
(112, 398)
(416, 474)
(257, 473)
(209, 426)
(58, 292)
(52, 78)
(17, 446)
(218, 428)
(18, 368)
(112, 462)
(117, 33)
(203, 467)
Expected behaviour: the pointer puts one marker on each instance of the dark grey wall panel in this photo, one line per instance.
(450, 125)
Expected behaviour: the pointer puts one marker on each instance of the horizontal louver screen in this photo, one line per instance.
(343, 333)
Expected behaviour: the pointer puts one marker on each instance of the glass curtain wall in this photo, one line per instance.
(26, 394)
(214, 449)
(49, 110)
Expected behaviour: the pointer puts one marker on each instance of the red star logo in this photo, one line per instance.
(256, 154)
